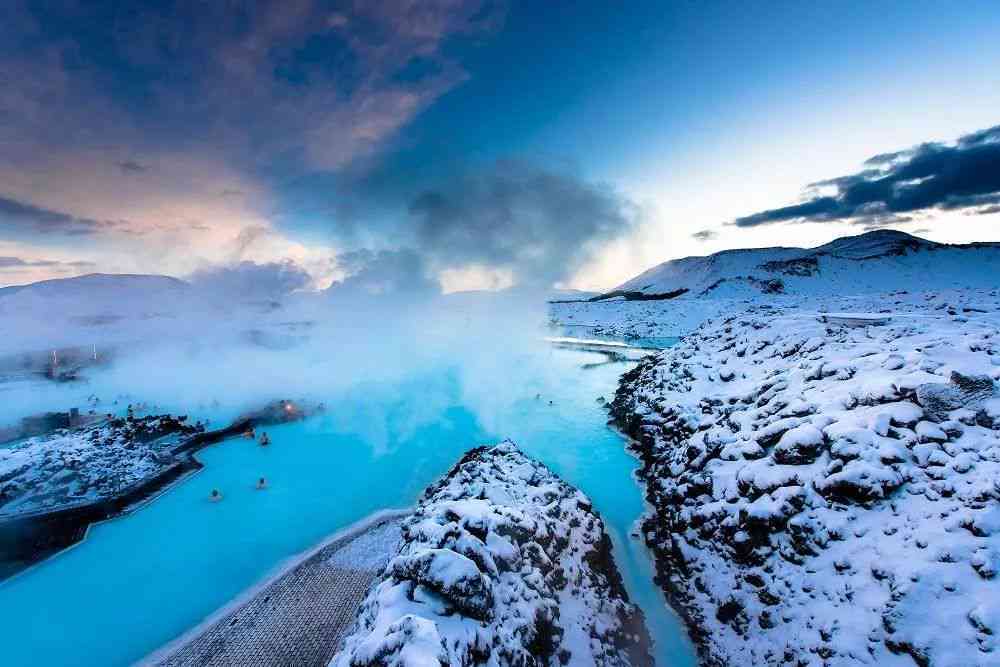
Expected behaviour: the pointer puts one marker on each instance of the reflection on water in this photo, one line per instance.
(141, 580)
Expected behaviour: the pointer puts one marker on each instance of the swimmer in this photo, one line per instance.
(249, 433)
(265, 440)
(214, 496)
(261, 484)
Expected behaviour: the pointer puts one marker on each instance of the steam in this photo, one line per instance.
(251, 281)
(508, 222)
(176, 346)
(541, 224)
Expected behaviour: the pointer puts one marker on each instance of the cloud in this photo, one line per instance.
(20, 218)
(338, 82)
(539, 223)
(384, 273)
(705, 235)
(962, 175)
(175, 116)
(250, 281)
(132, 167)
(18, 264)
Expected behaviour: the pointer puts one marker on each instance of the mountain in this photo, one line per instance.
(96, 281)
(95, 308)
(93, 295)
(878, 261)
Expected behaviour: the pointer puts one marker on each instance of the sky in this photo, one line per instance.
(470, 145)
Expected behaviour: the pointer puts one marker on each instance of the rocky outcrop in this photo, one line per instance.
(827, 494)
(98, 461)
(502, 563)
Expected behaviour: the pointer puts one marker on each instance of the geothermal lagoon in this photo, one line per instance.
(141, 580)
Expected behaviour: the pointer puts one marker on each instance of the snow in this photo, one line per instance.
(74, 466)
(879, 261)
(501, 563)
(824, 493)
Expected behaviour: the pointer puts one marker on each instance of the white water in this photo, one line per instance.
(139, 581)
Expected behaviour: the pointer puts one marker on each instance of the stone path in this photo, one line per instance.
(300, 617)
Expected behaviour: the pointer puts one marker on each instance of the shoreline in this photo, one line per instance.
(31, 538)
(662, 563)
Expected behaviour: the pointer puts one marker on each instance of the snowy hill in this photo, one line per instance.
(878, 261)
(66, 311)
(91, 294)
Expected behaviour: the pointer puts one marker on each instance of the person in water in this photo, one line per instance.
(249, 433)
(261, 484)
(215, 496)
(265, 440)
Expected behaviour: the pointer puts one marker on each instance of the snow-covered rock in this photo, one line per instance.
(836, 501)
(502, 563)
(73, 466)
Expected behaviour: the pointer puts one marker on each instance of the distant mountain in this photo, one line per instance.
(94, 295)
(878, 261)
(97, 281)
(95, 308)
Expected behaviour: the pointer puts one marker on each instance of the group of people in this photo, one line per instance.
(216, 495)
(250, 433)
(265, 440)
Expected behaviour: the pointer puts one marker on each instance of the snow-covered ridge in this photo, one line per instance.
(502, 563)
(826, 493)
(877, 261)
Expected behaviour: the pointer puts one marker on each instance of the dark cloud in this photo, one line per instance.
(705, 235)
(539, 223)
(18, 218)
(384, 273)
(339, 77)
(132, 167)
(975, 204)
(963, 175)
(249, 281)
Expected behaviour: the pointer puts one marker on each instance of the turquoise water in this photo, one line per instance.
(141, 580)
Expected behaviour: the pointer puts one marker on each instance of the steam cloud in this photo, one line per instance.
(251, 281)
(540, 224)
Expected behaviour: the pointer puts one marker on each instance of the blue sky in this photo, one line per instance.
(574, 143)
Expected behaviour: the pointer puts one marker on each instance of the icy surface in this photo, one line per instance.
(502, 563)
(829, 494)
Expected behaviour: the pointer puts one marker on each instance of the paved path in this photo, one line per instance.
(299, 617)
